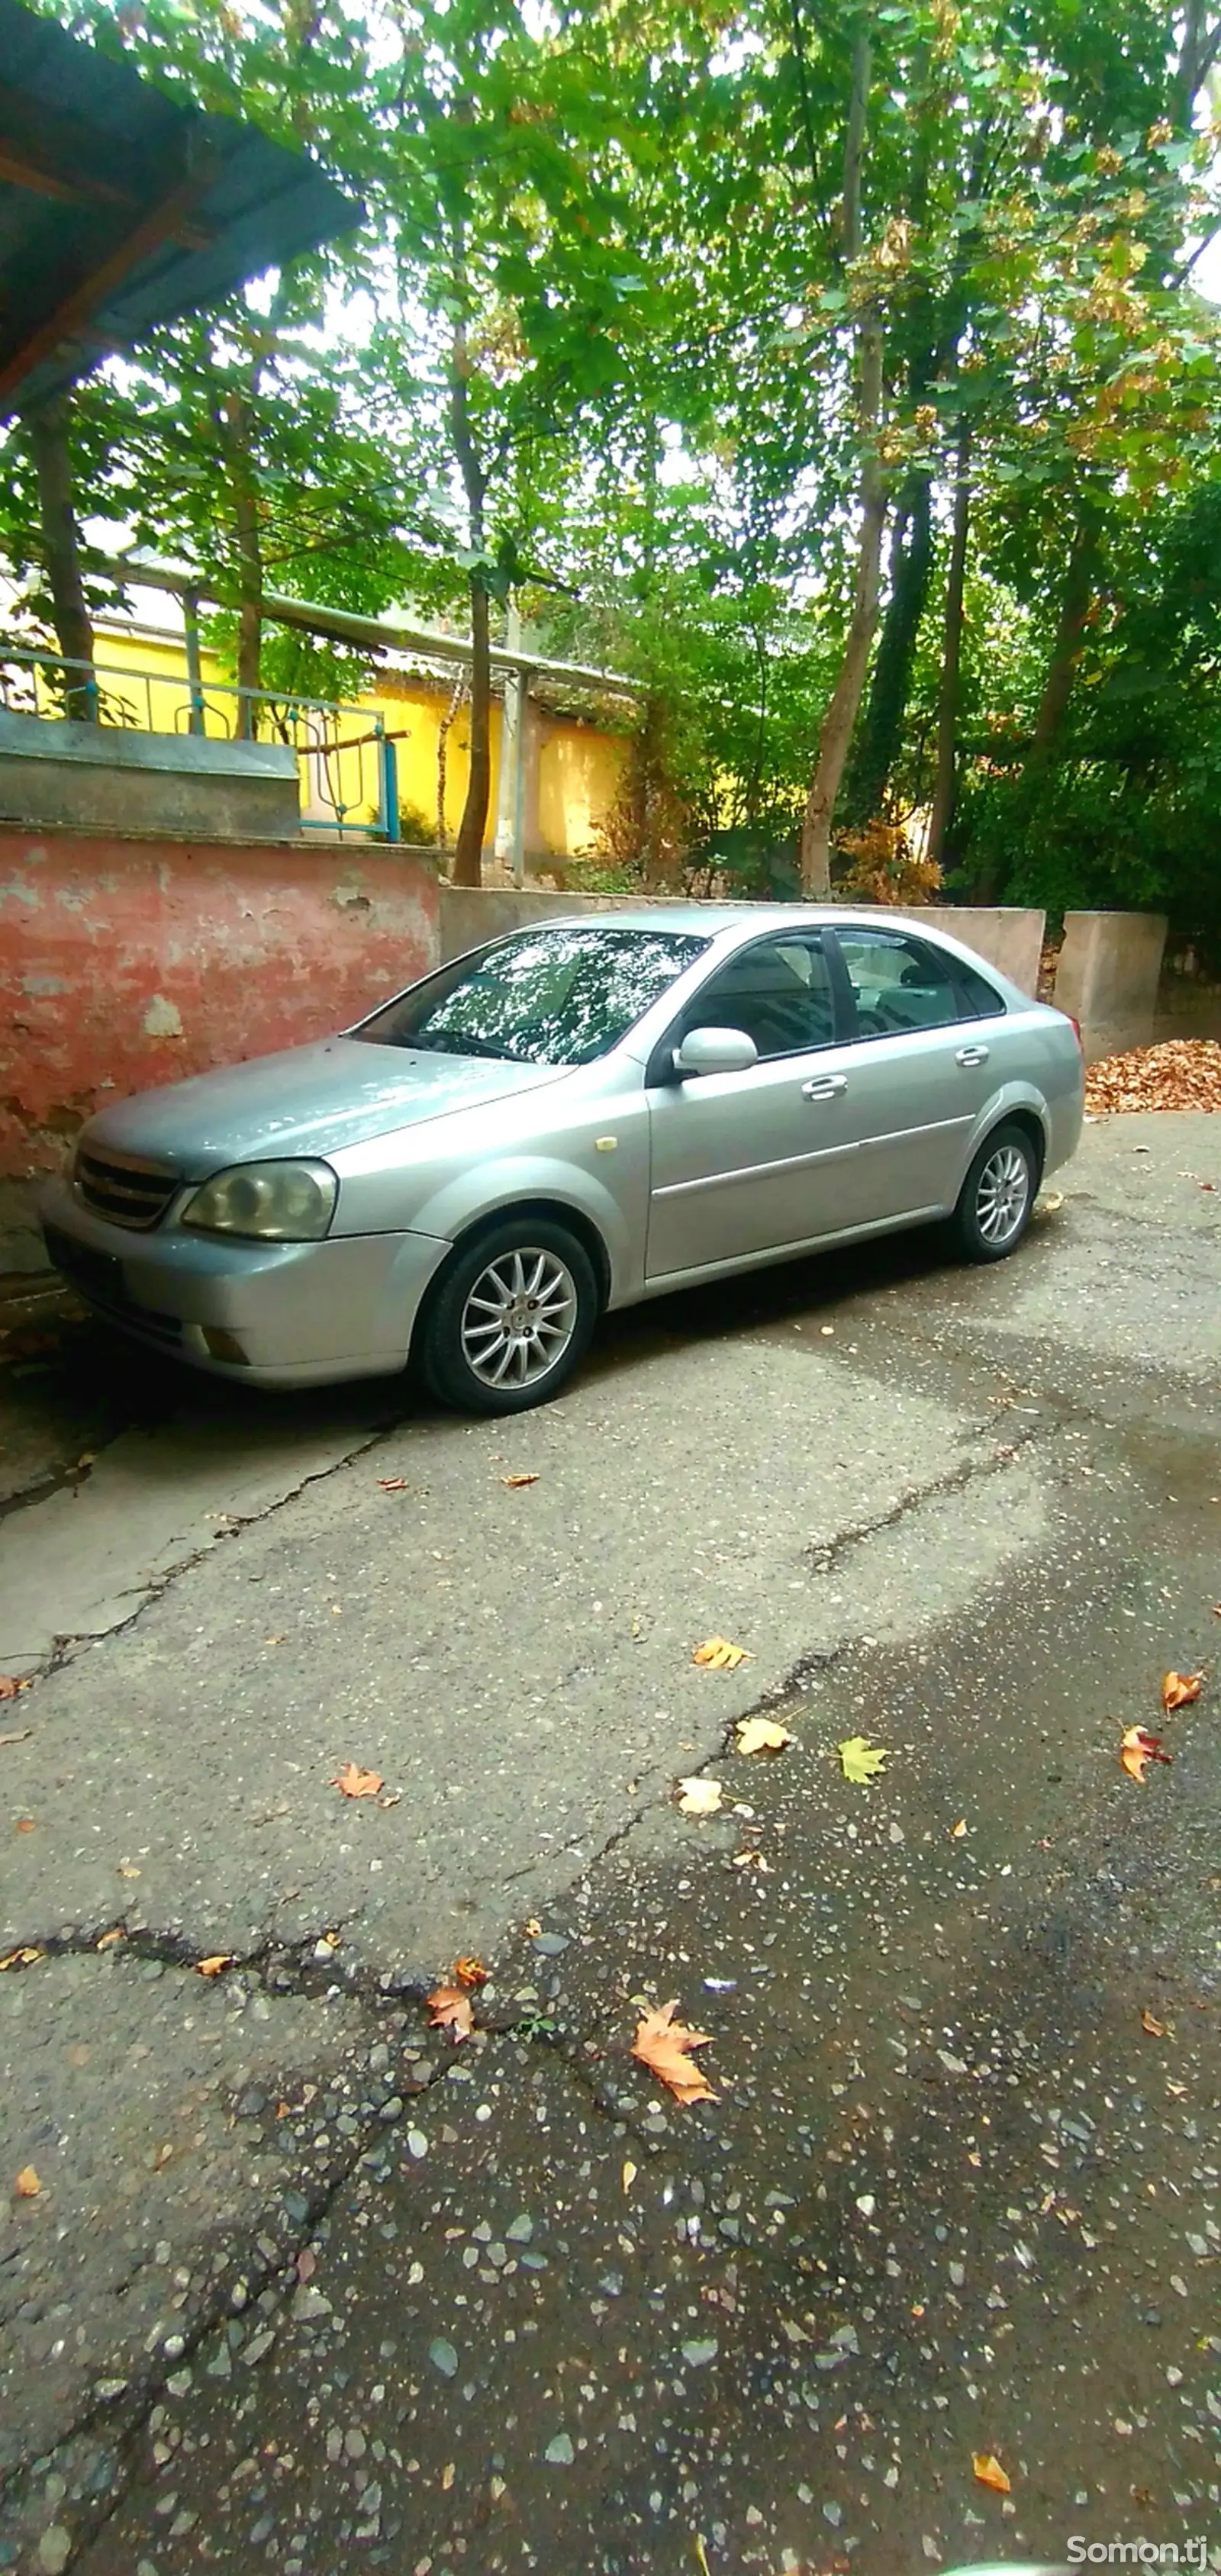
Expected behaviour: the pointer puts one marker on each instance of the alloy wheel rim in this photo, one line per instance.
(519, 1318)
(1000, 1200)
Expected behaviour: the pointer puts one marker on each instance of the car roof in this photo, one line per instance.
(711, 919)
(680, 915)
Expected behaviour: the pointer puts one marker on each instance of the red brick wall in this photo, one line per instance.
(130, 962)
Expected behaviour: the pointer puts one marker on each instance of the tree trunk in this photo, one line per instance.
(457, 697)
(472, 830)
(951, 656)
(48, 430)
(877, 746)
(841, 714)
(1198, 51)
(1076, 603)
(236, 419)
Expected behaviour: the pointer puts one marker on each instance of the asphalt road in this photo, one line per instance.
(307, 2286)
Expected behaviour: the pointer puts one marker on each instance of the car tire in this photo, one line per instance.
(510, 1319)
(997, 1198)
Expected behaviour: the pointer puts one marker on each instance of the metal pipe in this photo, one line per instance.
(380, 634)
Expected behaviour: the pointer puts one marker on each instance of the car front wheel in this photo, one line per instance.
(511, 1319)
(998, 1195)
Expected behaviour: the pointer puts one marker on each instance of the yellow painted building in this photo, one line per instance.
(572, 773)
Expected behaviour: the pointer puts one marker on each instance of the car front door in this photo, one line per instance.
(920, 1068)
(742, 1163)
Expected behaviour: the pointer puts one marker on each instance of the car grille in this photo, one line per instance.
(99, 1277)
(126, 1191)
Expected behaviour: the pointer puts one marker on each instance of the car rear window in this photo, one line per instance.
(559, 995)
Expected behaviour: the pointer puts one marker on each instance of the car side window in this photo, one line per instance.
(898, 985)
(981, 1001)
(779, 991)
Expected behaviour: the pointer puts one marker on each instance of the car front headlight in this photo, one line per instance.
(270, 1202)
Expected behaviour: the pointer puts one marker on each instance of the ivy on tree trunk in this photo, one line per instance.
(881, 732)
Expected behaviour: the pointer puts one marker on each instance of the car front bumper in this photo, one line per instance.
(280, 1314)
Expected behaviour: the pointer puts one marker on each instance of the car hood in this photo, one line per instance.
(309, 1100)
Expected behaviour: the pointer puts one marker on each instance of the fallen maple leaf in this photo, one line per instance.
(664, 2045)
(470, 1972)
(762, 1735)
(749, 1860)
(215, 1966)
(10, 1685)
(27, 2185)
(1179, 1688)
(718, 1656)
(1138, 1748)
(25, 1825)
(356, 1783)
(451, 2010)
(699, 1797)
(393, 1484)
(1148, 2022)
(515, 1481)
(108, 1939)
(957, 1831)
(860, 1760)
(989, 2472)
(21, 1959)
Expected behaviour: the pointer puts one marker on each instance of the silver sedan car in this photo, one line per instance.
(569, 1119)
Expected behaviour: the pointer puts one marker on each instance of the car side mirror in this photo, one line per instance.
(715, 1051)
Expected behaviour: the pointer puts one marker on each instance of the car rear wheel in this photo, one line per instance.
(998, 1195)
(511, 1320)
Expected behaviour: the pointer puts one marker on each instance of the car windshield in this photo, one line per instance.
(561, 995)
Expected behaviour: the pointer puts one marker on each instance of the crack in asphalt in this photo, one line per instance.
(69, 1645)
(123, 2416)
(295, 1970)
(825, 1558)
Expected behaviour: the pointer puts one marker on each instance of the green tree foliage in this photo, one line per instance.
(839, 373)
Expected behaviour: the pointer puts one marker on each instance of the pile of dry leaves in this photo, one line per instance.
(1185, 1073)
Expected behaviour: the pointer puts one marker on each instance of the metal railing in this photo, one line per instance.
(346, 757)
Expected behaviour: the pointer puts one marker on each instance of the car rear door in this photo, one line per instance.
(920, 1067)
(742, 1163)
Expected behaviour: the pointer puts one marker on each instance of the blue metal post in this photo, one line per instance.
(390, 786)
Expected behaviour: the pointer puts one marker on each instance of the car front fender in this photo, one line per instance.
(469, 1198)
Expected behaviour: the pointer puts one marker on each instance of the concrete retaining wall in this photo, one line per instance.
(1006, 936)
(128, 962)
(102, 778)
(471, 914)
(1107, 977)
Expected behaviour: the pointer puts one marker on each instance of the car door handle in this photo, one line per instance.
(971, 1055)
(825, 1086)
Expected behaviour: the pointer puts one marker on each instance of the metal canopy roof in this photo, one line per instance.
(120, 210)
